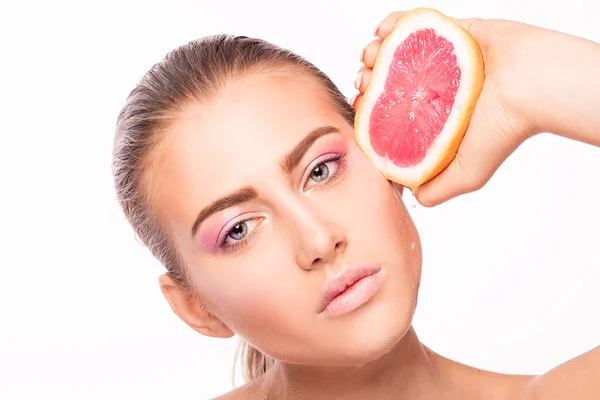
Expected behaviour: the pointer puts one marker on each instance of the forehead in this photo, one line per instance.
(215, 147)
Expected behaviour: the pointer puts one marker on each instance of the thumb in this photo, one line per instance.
(490, 138)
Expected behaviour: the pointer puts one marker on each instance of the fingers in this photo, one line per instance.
(355, 101)
(383, 29)
(362, 79)
(369, 54)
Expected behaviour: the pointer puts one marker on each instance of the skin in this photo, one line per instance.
(301, 233)
(304, 230)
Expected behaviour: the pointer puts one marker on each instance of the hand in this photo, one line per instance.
(512, 106)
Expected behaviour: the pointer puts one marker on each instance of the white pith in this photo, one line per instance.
(467, 64)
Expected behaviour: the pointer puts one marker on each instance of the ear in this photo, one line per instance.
(186, 306)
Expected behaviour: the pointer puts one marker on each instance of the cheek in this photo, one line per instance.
(374, 198)
(257, 296)
(380, 221)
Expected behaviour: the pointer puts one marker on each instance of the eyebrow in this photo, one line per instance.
(293, 158)
(241, 195)
(247, 193)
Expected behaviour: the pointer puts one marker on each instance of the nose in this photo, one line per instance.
(321, 241)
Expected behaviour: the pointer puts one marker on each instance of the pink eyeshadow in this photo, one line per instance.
(333, 143)
(209, 233)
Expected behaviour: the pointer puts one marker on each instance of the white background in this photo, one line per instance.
(511, 273)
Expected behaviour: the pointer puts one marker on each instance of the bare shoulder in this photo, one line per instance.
(578, 378)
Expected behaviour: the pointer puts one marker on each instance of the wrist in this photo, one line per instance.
(561, 90)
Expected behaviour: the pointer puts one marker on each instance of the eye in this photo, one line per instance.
(238, 234)
(320, 172)
(325, 172)
(240, 231)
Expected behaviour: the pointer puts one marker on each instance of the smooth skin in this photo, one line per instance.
(304, 228)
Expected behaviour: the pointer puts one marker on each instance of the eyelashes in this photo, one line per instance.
(324, 172)
(239, 234)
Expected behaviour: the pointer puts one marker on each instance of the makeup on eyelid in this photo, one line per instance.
(215, 227)
(329, 144)
(210, 234)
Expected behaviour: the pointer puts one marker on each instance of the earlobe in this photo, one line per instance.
(186, 306)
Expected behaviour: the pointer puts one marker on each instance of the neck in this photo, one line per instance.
(408, 371)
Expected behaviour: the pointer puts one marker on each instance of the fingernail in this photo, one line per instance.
(362, 54)
(377, 28)
(353, 99)
(358, 80)
(414, 191)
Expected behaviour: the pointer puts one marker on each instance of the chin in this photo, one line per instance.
(371, 334)
(376, 343)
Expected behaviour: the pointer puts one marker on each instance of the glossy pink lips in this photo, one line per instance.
(350, 289)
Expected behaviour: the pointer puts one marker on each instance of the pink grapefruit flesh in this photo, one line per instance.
(419, 94)
(423, 89)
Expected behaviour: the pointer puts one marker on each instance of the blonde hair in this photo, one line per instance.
(196, 71)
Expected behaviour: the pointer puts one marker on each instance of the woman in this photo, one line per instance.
(235, 163)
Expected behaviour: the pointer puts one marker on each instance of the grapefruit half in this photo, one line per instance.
(425, 83)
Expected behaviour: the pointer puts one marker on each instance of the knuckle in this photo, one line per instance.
(393, 17)
(372, 48)
(472, 25)
(375, 43)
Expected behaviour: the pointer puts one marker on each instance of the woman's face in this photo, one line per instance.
(282, 200)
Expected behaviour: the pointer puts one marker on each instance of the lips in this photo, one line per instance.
(349, 289)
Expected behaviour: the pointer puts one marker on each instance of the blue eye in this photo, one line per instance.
(320, 173)
(325, 172)
(239, 231)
